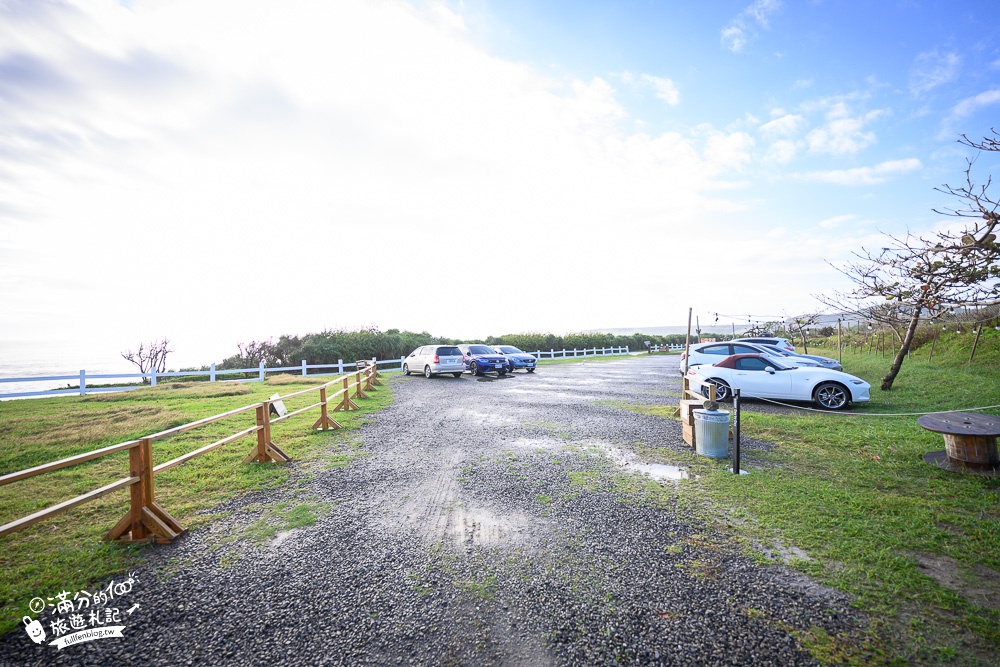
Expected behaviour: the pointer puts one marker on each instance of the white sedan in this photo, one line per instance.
(760, 376)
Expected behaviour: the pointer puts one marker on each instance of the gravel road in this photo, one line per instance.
(494, 521)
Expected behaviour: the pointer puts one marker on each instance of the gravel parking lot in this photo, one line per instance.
(493, 521)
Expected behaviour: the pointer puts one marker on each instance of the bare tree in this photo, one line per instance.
(802, 323)
(915, 278)
(151, 356)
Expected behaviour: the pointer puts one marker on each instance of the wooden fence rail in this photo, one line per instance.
(146, 521)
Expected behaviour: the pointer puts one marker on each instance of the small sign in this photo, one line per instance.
(278, 407)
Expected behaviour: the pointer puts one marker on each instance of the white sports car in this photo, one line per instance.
(760, 376)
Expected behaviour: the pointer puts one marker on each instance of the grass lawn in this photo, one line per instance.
(67, 552)
(917, 547)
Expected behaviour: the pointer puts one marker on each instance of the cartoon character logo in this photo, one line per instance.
(34, 630)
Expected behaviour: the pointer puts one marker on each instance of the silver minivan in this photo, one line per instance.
(434, 360)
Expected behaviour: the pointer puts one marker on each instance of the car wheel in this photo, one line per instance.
(427, 371)
(722, 390)
(474, 368)
(831, 396)
(458, 375)
(406, 369)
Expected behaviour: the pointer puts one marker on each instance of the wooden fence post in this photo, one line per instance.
(265, 451)
(324, 422)
(145, 521)
(357, 387)
(346, 403)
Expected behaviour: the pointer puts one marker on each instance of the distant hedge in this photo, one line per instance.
(327, 347)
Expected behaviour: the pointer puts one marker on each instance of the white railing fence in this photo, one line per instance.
(260, 372)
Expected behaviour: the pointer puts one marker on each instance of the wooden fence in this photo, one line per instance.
(82, 377)
(146, 521)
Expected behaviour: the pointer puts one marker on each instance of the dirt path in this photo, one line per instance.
(493, 522)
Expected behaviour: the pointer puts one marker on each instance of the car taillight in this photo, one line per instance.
(437, 359)
(463, 358)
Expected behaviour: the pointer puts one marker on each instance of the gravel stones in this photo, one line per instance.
(482, 529)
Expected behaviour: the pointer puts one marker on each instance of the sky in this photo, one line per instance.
(218, 171)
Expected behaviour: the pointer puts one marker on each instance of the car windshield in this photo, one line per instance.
(783, 365)
(480, 349)
(509, 349)
(449, 352)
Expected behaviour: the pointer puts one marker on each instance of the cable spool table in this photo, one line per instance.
(970, 441)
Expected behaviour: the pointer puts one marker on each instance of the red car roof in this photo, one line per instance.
(730, 361)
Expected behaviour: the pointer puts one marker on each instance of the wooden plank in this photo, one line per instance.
(207, 448)
(32, 519)
(201, 422)
(299, 411)
(67, 462)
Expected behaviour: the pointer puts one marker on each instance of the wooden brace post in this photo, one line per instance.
(357, 387)
(265, 451)
(145, 521)
(346, 403)
(324, 422)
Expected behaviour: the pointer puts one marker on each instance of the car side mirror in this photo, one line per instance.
(769, 369)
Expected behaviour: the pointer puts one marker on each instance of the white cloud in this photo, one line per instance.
(664, 89)
(971, 105)
(880, 173)
(238, 179)
(743, 28)
(842, 132)
(837, 221)
(932, 69)
(785, 125)
(781, 152)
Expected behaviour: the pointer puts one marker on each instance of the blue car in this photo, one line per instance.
(481, 359)
(516, 358)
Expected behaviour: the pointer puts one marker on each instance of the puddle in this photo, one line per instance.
(467, 526)
(661, 472)
(281, 537)
(538, 443)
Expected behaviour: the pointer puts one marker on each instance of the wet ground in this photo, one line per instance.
(493, 521)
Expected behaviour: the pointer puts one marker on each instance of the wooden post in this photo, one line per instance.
(324, 422)
(931, 355)
(265, 451)
(375, 379)
(976, 343)
(357, 387)
(687, 343)
(145, 521)
(840, 347)
(346, 403)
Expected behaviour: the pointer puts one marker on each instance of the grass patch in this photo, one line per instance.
(853, 492)
(67, 552)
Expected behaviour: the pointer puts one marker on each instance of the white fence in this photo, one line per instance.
(213, 374)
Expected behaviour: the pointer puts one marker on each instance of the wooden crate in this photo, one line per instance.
(687, 410)
(689, 434)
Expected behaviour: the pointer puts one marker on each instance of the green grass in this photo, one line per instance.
(853, 492)
(67, 552)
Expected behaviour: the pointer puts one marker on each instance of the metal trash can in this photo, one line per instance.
(711, 433)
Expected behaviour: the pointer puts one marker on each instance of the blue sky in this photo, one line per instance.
(213, 171)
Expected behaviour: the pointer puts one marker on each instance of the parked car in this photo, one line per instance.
(761, 376)
(825, 362)
(434, 360)
(481, 358)
(783, 343)
(710, 353)
(516, 358)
